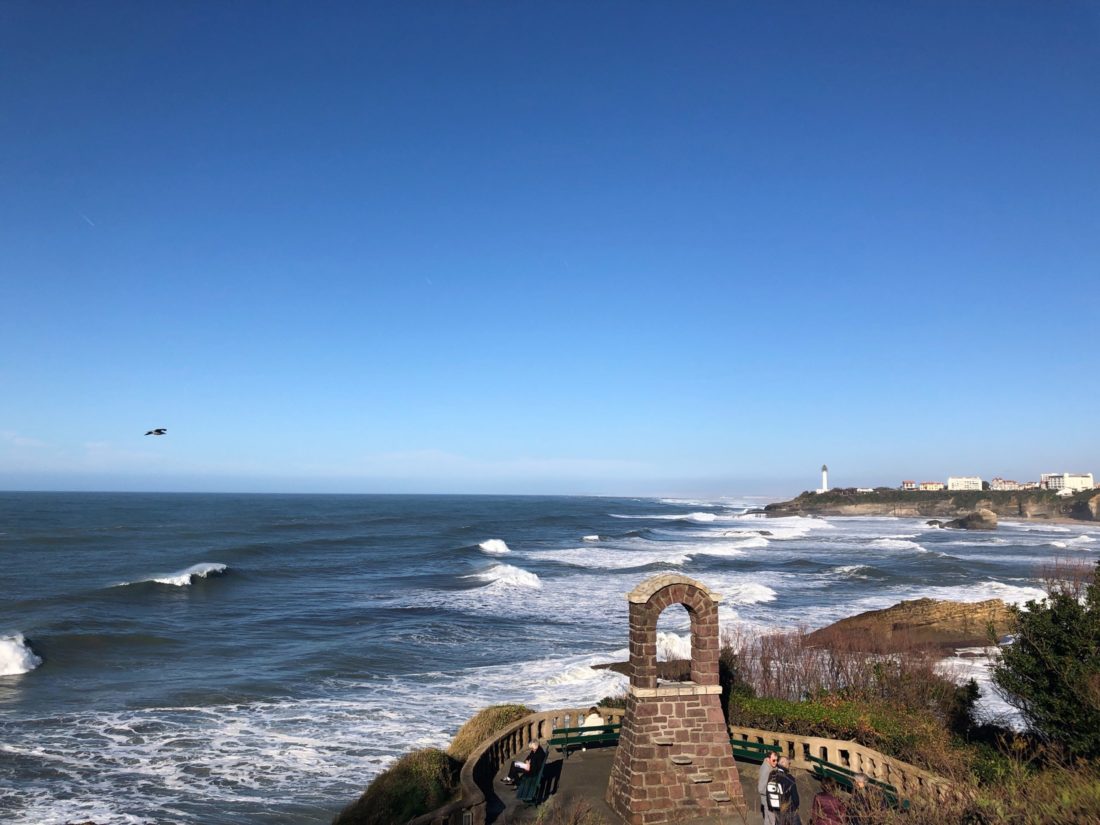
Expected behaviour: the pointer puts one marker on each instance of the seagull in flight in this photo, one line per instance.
(157, 431)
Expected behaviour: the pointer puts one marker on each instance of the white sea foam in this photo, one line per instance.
(898, 544)
(591, 538)
(673, 646)
(495, 547)
(851, 571)
(984, 590)
(991, 706)
(700, 518)
(748, 593)
(293, 753)
(182, 578)
(507, 576)
(16, 656)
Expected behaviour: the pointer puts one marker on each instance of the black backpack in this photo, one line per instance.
(778, 792)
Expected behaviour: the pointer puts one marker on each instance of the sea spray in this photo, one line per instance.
(495, 547)
(16, 656)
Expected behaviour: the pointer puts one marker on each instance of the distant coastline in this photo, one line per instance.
(1027, 505)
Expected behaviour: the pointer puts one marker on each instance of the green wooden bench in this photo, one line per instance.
(566, 739)
(752, 751)
(527, 789)
(843, 777)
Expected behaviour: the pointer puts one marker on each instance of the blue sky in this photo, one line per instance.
(619, 248)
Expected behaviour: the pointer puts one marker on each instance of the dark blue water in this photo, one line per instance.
(255, 659)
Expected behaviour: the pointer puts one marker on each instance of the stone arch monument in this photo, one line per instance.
(674, 762)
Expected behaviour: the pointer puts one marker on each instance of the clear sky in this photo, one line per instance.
(623, 248)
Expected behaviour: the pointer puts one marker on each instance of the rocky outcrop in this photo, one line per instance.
(922, 623)
(982, 519)
(1025, 504)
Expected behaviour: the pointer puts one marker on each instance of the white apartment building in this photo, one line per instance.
(1005, 484)
(964, 483)
(1066, 481)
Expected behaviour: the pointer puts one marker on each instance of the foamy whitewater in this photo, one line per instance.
(264, 656)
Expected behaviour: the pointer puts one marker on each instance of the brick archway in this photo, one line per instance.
(674, 761)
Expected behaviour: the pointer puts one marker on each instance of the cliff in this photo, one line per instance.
(1025, 504)
(919, 623)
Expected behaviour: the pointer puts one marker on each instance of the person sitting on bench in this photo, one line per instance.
(531, 767)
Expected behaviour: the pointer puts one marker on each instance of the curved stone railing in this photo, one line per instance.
(476, 777)
(908, 779)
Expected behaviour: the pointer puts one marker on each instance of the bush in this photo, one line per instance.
(481, 726)
(414, 784)
(423, 780)
(910, 735)
(1051, 672)
(565, 811)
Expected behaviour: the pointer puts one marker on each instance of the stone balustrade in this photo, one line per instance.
(908, 779)
(493, 754)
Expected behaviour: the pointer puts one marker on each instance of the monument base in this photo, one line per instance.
(674, 762)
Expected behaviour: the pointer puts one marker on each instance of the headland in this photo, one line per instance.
(1038, 505)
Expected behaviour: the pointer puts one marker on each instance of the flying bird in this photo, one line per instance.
(157, 431)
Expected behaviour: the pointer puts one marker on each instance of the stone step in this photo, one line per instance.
(701, 778)
(663, 740)
(720, 796)
(681, 760)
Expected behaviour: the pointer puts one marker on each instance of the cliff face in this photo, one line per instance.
(1031, 504)
(920, 623)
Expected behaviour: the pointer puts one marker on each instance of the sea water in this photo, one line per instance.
(257, 659)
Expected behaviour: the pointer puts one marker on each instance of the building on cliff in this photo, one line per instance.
(964, 483)
(931, 485)
(1073, 482)
(909, 485)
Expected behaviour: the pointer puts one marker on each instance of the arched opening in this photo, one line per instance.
(674, 644)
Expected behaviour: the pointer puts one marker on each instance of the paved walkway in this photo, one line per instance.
(585, 774)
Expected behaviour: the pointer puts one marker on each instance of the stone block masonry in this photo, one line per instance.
(674, 761)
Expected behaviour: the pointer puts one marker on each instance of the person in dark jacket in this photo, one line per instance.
(827, 808)
(787, 794)
(531, 766)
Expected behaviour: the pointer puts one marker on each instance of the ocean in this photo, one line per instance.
(247, 659)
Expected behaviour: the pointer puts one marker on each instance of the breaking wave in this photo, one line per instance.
(506, 576)
(495, 547)
(182, 578)
(16, 656)
(898, 544)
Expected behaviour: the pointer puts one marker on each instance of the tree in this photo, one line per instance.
(1051, 672)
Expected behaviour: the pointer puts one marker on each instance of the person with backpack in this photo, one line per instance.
(782, 795)
(766, 768)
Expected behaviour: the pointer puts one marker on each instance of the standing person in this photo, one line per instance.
(827, 808)
(535, 757)
(783, 794)
(766, 768)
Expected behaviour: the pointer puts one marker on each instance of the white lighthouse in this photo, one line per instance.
(824, 478)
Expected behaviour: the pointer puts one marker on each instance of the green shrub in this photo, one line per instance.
(481, 726)
(1051, 672)
(415, 784)
(912, 735)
